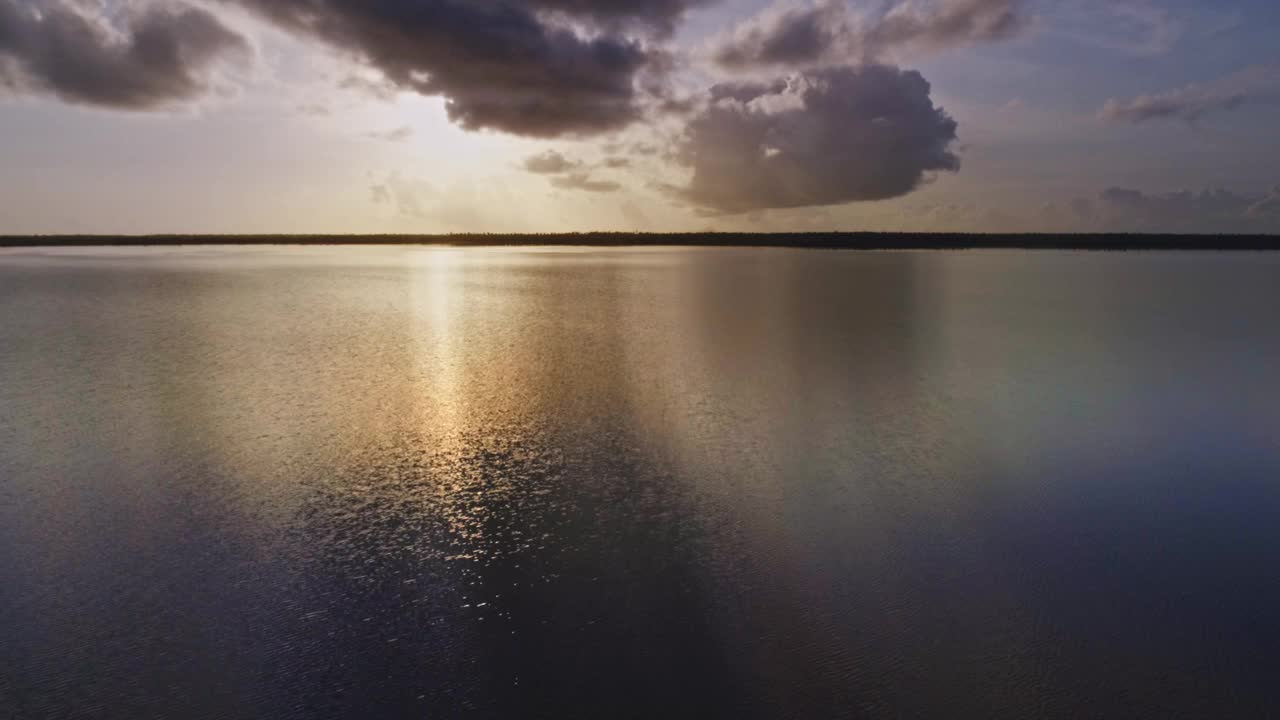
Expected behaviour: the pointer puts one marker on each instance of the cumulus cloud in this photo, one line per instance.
(829, 32)
(139, 57)
(824, 137)
(539, 68)
(1193, 102)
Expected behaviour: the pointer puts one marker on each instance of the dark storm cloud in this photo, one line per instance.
(540, 68)
(151, 57)
(1193, 102)
(825, 137)
(828, 32)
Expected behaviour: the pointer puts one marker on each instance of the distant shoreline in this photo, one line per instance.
(830, 241)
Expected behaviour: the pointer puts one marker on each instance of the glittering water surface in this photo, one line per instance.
(385, 483)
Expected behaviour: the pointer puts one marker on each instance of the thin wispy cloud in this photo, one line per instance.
(585, 183)
(1193, 102)
(1115, 209)
(1267, 208)
(826, 32)
(1217, 210)
(396, 135)
(1128, 27)
(413, 199)
(1153, 30)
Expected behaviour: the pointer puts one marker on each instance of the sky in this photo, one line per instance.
(438, 116)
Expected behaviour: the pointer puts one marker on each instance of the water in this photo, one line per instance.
(357, 483)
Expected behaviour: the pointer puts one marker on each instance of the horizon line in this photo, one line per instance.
(835, 240)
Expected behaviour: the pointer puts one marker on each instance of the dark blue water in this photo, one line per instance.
(363, 483)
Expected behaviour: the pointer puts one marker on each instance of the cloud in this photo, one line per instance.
(1209, 211)
(314, 109)
(1114, 210)
(1153, 30)
(538, 68)
(828, 32)
(1189, 104)
(139, 58)
(1193, 102)
(415, 201)
(574, 174)
(405, 195)
(796, 35)
(398, 135)
(550, 163)
(1268, 208)
(378, 89)
(659, 15)
(583, 182)
(1130, 27)
(824, 137)
(571, 174)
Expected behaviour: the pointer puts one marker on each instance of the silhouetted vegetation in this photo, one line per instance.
(834, 241)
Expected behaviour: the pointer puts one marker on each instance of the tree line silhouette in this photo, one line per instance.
(813, 240)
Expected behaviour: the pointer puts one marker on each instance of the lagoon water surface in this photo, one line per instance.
(658, 483)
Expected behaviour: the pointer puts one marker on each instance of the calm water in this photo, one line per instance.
(435, 483)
